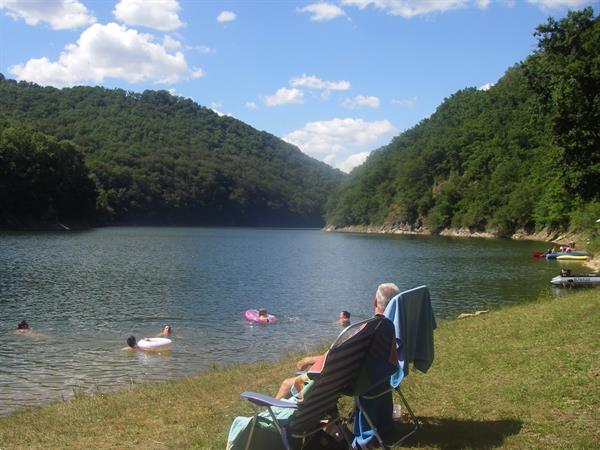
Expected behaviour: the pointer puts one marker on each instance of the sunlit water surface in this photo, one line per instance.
(84, 292)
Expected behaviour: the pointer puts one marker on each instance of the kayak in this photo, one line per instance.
(557, 254)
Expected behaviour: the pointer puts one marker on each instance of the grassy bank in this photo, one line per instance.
(525, 376)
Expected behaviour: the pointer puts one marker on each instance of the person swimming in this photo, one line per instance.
(263, 315)
(131, 344)
(344, 318)
(166, 331)
(22, 327)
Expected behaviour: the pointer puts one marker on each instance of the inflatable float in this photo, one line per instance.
(155, 343)
(572, 258)
(251, 315)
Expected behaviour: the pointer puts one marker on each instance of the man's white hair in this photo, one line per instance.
(384, 294)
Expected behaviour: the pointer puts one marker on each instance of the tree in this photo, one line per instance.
(565, 73)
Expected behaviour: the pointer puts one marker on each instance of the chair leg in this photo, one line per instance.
(413, 418)
(371, 424)
(251, 432)
(282, 431)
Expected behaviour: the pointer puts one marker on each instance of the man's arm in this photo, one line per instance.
(306, 362)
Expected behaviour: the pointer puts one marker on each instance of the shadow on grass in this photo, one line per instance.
(455, 433)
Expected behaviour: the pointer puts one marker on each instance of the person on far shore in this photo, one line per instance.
(344, 318)
(166, 331)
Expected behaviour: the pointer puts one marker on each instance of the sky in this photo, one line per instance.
(338, 79)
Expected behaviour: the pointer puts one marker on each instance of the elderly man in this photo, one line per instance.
(383, 295)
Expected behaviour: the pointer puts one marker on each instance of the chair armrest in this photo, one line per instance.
(266, 400)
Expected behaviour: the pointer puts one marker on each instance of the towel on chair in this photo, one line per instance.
(413, 318)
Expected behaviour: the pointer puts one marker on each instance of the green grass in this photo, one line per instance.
(525, 376)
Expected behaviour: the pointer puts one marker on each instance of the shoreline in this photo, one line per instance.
(545, 235)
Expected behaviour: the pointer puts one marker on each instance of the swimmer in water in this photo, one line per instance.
(263, 315)
(166, 331)
(131, 344)
(344, 318)
(22, 327)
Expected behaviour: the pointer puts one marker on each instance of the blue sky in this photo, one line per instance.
(336, 78)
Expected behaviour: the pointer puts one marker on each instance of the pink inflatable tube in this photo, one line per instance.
(251, 315)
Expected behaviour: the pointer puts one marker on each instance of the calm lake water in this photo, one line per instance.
(84, 292)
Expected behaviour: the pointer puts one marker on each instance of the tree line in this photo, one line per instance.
(147, 158)
(524, 154)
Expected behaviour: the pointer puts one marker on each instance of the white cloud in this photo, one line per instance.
(169, 42)
(485, 87)
(361, 101)
(406, 102)
(158, 14)
(108, 51)
(204, 49)
(352, 161)
(251, 105)
(284, 96)
(313, 82)
(554, 4)
(226, 16)
(59, 14)
(411, 8)
(322, 11)
(326, 138)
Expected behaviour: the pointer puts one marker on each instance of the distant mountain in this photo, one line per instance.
(524, 154)
(160, 159)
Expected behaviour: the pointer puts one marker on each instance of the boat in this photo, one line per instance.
(568, 279)
(557, 254)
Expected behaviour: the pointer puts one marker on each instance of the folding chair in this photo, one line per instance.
(344, 372)
(414, 322)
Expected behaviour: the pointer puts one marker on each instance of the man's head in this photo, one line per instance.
(384, 294)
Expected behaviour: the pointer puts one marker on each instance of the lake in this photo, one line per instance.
(84, 292)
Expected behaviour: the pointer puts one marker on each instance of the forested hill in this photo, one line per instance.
(524, 154)
(153, 158)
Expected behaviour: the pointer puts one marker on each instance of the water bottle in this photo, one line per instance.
(397, 412)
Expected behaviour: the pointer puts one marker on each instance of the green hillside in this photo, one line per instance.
(524, 154)
(154, 159)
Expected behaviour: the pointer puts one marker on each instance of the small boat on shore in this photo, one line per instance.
(568, 279)
(557, 254)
